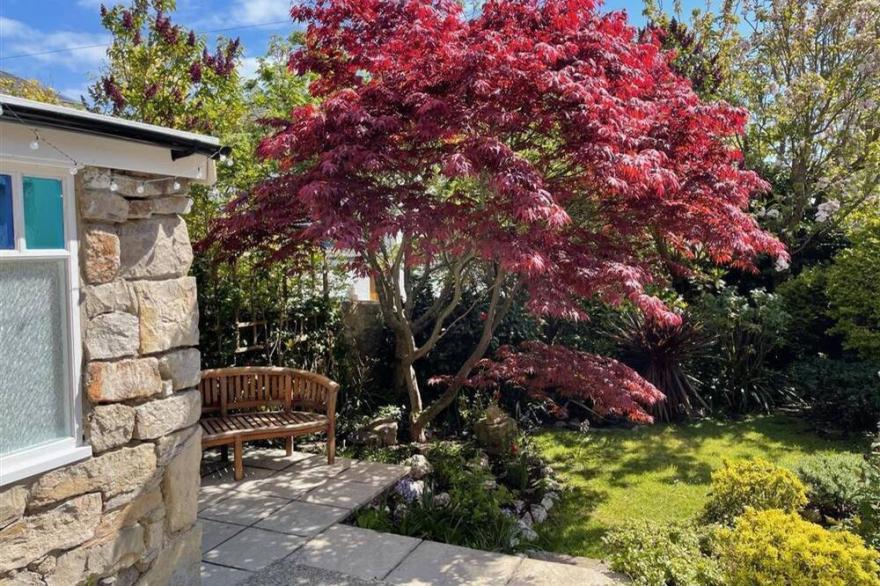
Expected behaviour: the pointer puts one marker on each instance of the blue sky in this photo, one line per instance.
(66, 26)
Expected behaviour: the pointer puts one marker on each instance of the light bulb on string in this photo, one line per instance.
(35, 144)
(114, 186)
(140, 188)
(73, 170)
(176, 186)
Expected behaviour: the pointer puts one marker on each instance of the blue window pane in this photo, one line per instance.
(7, 237)
(43, 213)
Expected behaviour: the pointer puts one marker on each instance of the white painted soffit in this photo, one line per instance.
(98, 151)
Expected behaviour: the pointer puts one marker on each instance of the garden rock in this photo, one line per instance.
(547, 503)
(419, 466)
(496, 431)
(442, 499)
(380, 433)
(539, 514)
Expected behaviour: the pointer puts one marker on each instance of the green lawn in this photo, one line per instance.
(656, 472)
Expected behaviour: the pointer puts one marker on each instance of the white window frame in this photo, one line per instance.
(46, 456)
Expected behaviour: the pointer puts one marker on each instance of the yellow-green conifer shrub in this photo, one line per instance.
(752, 483)
(776, 547)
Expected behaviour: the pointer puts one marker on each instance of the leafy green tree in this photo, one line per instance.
(808, 71)
(160, 73)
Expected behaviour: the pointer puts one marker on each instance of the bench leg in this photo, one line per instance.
(288, 445)
(331, 445)
(224, 453)
(239, 465)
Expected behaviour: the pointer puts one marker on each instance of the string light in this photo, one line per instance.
(176, 186)
(140, 188)
(73, 170)
(199, 173)
(113, 185)
(35, 144)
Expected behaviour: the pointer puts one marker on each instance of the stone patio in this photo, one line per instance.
(282, 524)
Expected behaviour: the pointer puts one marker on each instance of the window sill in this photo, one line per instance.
(40, 459)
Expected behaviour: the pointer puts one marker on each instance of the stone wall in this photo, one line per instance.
(127, 515)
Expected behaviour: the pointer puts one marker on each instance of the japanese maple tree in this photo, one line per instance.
(537, 151)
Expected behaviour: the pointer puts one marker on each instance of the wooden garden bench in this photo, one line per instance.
(253, 403)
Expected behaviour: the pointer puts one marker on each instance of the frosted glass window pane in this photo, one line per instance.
(33, 333)
(43, 213)
(7, 238)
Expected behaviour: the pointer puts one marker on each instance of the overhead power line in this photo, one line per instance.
(82, 47)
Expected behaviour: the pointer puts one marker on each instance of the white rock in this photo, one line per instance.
(539, 514)
(547, 503)
(419, 466)
(180, 486)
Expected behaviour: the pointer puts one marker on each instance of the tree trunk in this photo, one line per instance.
(405, 381)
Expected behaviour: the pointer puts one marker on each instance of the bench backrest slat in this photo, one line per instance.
(226, 390)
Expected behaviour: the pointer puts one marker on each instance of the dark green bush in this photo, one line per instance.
(834, 482)
(664, 555)
(750, 331)
(844, 392)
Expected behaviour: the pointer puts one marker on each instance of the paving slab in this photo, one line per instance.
(354, 551)
(343, 494)
(254, 549)
(243, 508)
(287, 573)
(536, 572)
(214, 575)
(214, 533)
(272, 458)
(224, 478)
(374, 473)
(439, 564)
(294, 483)
(301, 518)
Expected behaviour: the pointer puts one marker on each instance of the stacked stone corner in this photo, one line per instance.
(127, 514)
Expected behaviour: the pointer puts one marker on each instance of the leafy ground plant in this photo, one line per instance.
(752, 484)
(834, 483)
(655, 554)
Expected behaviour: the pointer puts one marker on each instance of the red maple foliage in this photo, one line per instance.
(551, 371)
(539, 149)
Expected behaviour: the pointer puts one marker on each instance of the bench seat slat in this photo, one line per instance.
(231, 425)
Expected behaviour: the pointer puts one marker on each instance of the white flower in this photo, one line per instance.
(773, 213)
(827, 209)
(781, 264)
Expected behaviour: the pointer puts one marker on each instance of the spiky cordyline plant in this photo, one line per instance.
(662, 353)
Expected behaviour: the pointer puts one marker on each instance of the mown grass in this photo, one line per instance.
(658, 472)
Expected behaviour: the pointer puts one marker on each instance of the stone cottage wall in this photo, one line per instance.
(127, 515)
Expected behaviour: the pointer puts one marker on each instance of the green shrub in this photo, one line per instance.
(748, 332)
(659, 555)
(868, 520)
(854, 288)
(834, 482)
(752, 483)
(844, 392)
(775, 547)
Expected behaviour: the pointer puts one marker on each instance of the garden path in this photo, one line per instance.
(282, 524)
